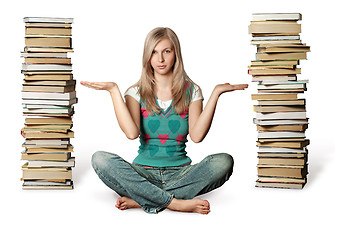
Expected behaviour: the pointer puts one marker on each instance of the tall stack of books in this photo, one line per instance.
(280, 115)
(48, 95)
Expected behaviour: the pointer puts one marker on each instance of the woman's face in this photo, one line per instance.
(163, 57)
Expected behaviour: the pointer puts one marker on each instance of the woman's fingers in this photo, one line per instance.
(240, 86)
(94, 85)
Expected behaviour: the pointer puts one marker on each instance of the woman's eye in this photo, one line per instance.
(168, 51)
(153, 52)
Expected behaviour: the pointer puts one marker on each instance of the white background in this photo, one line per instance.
(108, 41)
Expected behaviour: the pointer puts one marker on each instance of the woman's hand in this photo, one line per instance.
(108, 86)
(227, 87)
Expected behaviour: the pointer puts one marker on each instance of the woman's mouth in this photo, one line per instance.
(161, 66)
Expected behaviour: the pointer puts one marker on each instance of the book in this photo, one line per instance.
(280, 56)
(276, 16)
(282, 171)
(281, 155)
(274, 71)
(48, 77)
(274, 62)
(270, 109)
(286, 85)
(41, 49)
(57, 31)
(265, 122)
(276, 39)
(64, 143)
(289, 27)
(281, 115)
(48, 121)
(42, 185)
(286, 144)
(50, 102)
(46, 67)
(47, 60)
(56, 42)
(50, 83)
(44, 95)
(44, 54)
(282, 134)
(280, 150)
(281, 161)
(296, 128)
(48, 20)
(47, 156)
(53, 89)
(65, 110)
(278, 49)
(68, 164)
(274, 78)
(279, 185)
(69, 148)
(43, 134)
(46, 173)
(274, 96)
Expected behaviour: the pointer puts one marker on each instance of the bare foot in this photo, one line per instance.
(124, 203)
(192, 205)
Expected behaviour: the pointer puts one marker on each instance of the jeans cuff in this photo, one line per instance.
(159, 208)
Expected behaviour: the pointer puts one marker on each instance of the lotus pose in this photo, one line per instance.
(162, 108)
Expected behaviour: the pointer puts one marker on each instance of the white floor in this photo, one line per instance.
(238, 209)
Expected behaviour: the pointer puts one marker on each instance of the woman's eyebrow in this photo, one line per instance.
(163, 49)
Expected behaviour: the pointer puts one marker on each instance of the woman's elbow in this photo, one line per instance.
(132, 135)
(196, 139)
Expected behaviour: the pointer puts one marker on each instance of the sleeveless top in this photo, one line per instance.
(163, 136)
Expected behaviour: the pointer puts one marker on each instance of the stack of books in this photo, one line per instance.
(48, 95)
(280, 114)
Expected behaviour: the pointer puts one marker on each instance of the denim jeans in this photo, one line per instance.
(154, 188)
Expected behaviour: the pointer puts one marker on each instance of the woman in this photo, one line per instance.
(162, 108)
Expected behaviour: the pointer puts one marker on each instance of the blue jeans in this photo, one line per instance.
(154, 188)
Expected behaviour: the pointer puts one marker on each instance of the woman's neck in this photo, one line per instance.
(163, 86)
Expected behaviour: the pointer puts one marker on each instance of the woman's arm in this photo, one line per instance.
(200, 120)
(128, 114)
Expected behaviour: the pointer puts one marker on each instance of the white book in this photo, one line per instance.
(50, 102)
(281, 115)
(271, 82)
(281, 37)
(46, 183)
(47, 110)
(41, 163)
(47, 142)
(45, 95)
(273, 78)
(44, 54)
(282, 86)
(268, 122)
(281, 135)
(46, 67)
(276, 16)
(281, 150)
(34, 106)
(48, 19)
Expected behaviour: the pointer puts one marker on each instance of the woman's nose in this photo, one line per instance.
(161, 58)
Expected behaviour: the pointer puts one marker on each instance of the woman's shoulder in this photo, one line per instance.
(196, 93)
(133, 91)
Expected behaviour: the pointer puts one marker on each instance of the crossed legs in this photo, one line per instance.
(138, 186)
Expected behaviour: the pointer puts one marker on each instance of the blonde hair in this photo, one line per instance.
(180, 79)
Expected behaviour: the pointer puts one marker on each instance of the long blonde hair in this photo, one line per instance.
(180, 79)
